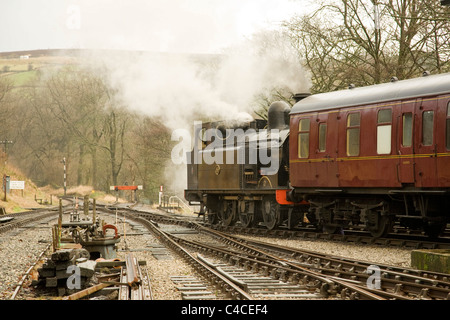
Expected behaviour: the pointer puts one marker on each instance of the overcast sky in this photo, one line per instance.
(199, 26)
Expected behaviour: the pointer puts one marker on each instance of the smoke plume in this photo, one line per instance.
(180, 89)
(183, 88)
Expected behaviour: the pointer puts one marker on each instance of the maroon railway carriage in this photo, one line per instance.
(374, 155)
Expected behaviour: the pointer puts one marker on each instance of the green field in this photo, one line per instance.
(22, 78)
(22, 71)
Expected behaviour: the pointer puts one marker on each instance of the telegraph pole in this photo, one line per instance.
(65, 176)
(5, 184)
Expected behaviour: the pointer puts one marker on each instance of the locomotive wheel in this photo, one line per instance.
(270, 212)
(227, 212)
(246, 217)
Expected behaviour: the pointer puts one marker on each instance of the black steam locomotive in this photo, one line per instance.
(238, 171)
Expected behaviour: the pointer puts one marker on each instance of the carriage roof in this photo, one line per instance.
(430, 85)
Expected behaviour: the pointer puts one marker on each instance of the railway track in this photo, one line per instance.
(243, 269)
(28, 272)
(396, 283)
(401, 240)
(19, 219)
(319, 276)
(404, 282)
(27, 217)
(392, 240)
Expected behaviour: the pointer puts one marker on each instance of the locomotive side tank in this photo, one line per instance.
(374, 155)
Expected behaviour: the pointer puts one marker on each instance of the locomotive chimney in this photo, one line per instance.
(278, 115)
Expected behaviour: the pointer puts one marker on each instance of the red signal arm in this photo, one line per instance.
(125, 188)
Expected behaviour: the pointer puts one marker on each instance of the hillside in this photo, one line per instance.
(21, 67)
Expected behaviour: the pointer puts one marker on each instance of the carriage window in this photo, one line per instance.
(407, 129)
(427, 128)
(384, 126)
(353, 122)
(303, 138)
(322, 137)
(447, 136)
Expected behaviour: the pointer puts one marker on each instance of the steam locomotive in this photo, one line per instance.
(367, 157)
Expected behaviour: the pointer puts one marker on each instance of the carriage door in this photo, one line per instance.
(405, 142)
(425, 148)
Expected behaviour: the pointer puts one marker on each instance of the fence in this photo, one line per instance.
(174, 203)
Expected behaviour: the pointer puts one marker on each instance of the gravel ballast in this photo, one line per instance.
(20, 249)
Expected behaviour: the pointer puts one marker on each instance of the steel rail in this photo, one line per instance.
(393, 241)
(397, 241)
(401, 289)
(400, 281)
(433, 278)
(27, 273)
(25, 220)
(267, 260)
(218, 279)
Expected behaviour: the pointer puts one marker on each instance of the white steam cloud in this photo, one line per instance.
(180, 89)
(179, 86)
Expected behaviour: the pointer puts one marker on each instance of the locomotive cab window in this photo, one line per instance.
(447, 129)
(384, 129)
(353, 122)
(303, 138)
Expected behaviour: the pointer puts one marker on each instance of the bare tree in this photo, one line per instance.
(6, 85)
(6, 100)
(116, 125)
(151, 152)
(369, 41)
(40, 140)
(78, 103)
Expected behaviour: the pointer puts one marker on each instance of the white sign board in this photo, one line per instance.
(17, 185)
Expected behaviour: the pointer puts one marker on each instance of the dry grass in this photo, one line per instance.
(17, 201)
